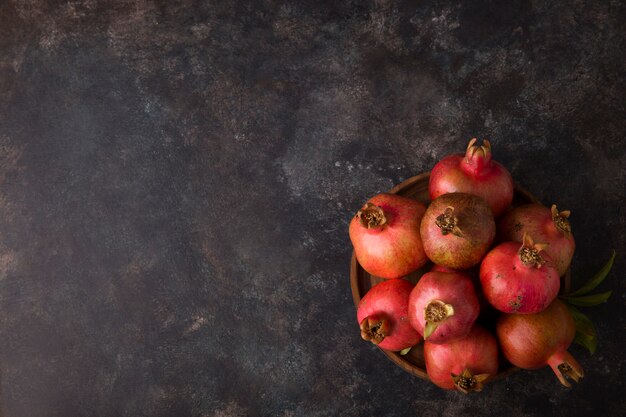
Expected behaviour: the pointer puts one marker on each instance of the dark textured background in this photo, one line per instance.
(176, 180)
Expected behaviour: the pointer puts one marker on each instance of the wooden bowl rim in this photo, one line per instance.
(395, 357)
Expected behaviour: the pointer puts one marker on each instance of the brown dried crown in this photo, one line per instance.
(529, 252)
(567, 371)
(448, 222)
(467, 382)
(561, 219)
(371, 216)
(374, 329)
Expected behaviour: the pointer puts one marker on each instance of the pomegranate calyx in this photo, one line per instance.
(560, 219)
(371, 216)
(448, 222)
(435, 313)
(374, 330)
(567, 371)
(565, 366)
(529, 252)
(478, 156)
(466, 382)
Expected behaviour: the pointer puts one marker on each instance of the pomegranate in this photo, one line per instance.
(474, 173)
(441, 268)
(385, 235)
(457, 230)
(463, 364)
(545, 225)
(443, 306)
(382, 315)
(518, 279)
(472, 274)
(531, 341)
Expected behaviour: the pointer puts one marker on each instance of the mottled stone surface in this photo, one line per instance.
(177, 177)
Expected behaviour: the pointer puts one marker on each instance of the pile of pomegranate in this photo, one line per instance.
(494, 281)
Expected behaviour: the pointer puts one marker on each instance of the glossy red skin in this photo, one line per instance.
(492, 182)
(395, 249)
(536, 220)
(452, 288)
(512, 287)
(472, 274)
(531, 341)
(454, 251)
(390, 299)
(478, 352)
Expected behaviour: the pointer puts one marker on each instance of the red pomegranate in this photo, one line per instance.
(518, 279)
(441, 268)
(544, 225)
(472, 274)
(457, 230)
(383, 315)
(463, 364)
(385, 235)
(474, 173)
(443, 306)
(531, 341)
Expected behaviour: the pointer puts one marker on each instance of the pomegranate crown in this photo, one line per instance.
(374, 329)
(448, 222)
(479, 156)
(435, 313)
(371, 216)
(561, 219)
(529, 252)
(467, 382)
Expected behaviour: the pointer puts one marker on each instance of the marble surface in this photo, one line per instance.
(177, 177)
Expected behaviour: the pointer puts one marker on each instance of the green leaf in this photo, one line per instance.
(588, 342)
(405, 351)
(583, 323)
(585, 330)
(588, 300)
(596, 280)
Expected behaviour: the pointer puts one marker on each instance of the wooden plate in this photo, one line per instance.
(361, 281)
